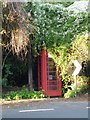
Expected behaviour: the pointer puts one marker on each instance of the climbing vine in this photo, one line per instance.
(62, 32)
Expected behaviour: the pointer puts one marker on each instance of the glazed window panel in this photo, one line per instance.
(51, 69)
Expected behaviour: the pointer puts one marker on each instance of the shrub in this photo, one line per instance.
(80, 90)
(69, 94)
(6, 74)
(23, 94)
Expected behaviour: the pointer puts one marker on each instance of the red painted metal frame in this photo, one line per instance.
(46, 84)
(39, 59)
(43, 69)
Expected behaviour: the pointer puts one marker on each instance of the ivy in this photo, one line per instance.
(59, 28)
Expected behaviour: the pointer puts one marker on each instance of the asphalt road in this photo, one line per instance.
(46, 109)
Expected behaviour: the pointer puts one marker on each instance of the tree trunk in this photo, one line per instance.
(30, 74)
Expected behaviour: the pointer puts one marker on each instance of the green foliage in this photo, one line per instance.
(78, 51)
(83, 89)
(14, 72)
(56, 26)
(6, 74)
(63, 33)
(24, 93)
(66, 4)
(70, 94)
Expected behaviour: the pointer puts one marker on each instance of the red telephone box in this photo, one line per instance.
(49, 78)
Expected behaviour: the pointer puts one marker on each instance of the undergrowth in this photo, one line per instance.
(83, 89)
(24, 93)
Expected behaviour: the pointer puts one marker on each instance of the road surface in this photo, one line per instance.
(46, 109)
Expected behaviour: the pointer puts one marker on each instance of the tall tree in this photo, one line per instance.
(16, 29)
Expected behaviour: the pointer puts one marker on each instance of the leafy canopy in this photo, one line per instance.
(56, 26)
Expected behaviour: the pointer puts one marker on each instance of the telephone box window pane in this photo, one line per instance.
(52, 76)
(52, 69)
